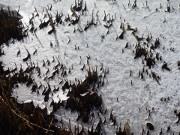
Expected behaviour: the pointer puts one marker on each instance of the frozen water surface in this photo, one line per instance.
(127, 101)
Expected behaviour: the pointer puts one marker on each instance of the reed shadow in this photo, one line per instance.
(56, 39)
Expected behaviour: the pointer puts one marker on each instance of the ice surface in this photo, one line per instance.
(135, 100)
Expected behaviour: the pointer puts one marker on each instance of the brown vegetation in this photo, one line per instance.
(24, 118)
(83, 97)
(11, 27)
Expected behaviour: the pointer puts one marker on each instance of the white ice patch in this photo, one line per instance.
(134, 102)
